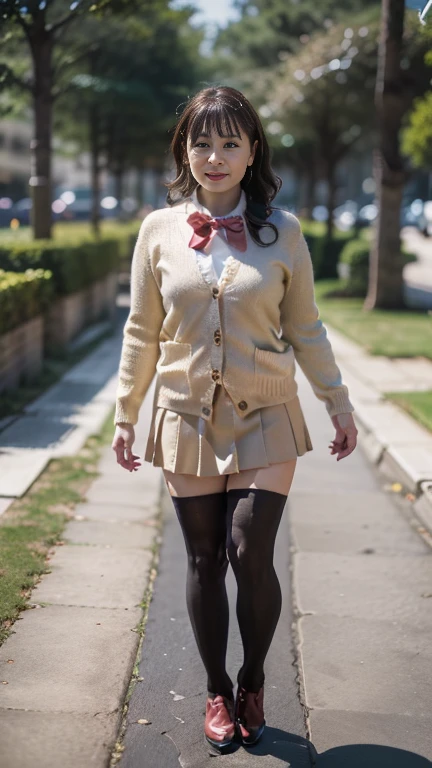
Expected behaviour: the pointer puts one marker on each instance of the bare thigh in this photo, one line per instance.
(193, 485)
(277, 477)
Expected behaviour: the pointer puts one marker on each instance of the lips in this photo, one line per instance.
(216, 176)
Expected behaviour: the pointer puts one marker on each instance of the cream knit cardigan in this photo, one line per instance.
(246, 333)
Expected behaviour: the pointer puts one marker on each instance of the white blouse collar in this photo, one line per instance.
(237, 211)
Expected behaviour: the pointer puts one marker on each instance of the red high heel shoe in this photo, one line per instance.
(219, 727)
(249, 715)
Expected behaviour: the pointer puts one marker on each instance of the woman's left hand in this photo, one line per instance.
(346, 435)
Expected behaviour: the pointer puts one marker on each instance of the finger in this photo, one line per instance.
(349, 443)
(131, 466)
(124, 460)
(337, 447)
(345, 453)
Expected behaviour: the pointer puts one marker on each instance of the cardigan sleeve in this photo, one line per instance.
(140, 349)
(303, 329)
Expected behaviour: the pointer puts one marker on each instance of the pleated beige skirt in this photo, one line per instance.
(226, 443)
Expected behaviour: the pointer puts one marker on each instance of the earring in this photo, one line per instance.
(248, 178)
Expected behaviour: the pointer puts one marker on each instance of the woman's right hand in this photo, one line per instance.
(124, 438)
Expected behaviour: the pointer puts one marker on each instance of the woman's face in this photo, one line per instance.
(218, 163)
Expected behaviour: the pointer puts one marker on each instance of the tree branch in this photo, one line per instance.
(59, 91)
(59, 70)
(9, 78)
(23, 24)
(66, 19)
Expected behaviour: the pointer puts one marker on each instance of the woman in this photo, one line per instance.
(222, 305)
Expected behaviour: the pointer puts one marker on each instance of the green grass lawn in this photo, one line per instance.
(393, 334)
(35, 523)
(417, 404)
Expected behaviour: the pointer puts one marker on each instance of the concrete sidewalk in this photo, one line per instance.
(393, 441)
(59, 422)
(357, 635)
(362, 584)
(67, 666)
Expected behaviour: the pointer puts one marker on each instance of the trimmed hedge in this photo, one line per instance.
(325, 254)
(356, 255)
(74, 266)
(23, 296)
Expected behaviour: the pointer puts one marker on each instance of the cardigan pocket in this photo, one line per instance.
(173, 368)
(274, 371)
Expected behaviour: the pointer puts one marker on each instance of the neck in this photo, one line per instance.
(219, 203)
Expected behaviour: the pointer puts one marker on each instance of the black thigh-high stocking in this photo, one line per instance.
(253, 517)
(203, 522)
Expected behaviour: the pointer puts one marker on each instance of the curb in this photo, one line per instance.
(393, 465)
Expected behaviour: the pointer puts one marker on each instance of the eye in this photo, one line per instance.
(232, 143)
(201, 144)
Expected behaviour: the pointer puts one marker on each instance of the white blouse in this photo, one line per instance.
(211, 261)
(213, 258)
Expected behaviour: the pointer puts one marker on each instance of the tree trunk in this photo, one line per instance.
(309, 200)
(385, 290)
(40, 180)
(94, 124)
(118, 185)
(331, 199)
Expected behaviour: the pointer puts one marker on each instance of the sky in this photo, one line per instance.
(213, 11)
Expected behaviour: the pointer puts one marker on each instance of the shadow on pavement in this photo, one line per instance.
(370, 755)
(296, 752)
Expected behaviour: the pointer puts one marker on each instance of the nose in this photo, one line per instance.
(214, 159)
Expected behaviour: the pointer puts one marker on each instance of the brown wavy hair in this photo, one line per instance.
(227, 111)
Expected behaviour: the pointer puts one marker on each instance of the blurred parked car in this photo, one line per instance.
(69, 205)
(75, 204)
(415, 214)
(5, 211)
(345, 214)
(20, 211)
(424, 221)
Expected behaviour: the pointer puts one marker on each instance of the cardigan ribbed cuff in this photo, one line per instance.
(339, 402)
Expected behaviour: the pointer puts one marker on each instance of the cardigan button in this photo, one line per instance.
(242, 405)
(206, 411)
(215, 374)
(217, 336)
(215, 292)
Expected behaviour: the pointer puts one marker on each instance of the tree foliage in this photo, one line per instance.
(56, 46)
(417, 136)
(269, 29)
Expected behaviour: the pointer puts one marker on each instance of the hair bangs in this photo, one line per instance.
(217, 117)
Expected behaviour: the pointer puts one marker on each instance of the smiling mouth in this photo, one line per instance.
(216, 175)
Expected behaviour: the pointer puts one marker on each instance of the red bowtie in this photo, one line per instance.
(205, 228)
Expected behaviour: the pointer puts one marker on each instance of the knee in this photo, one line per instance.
(208, 566)
(249, 565)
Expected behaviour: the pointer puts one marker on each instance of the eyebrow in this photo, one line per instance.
(227, 136)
